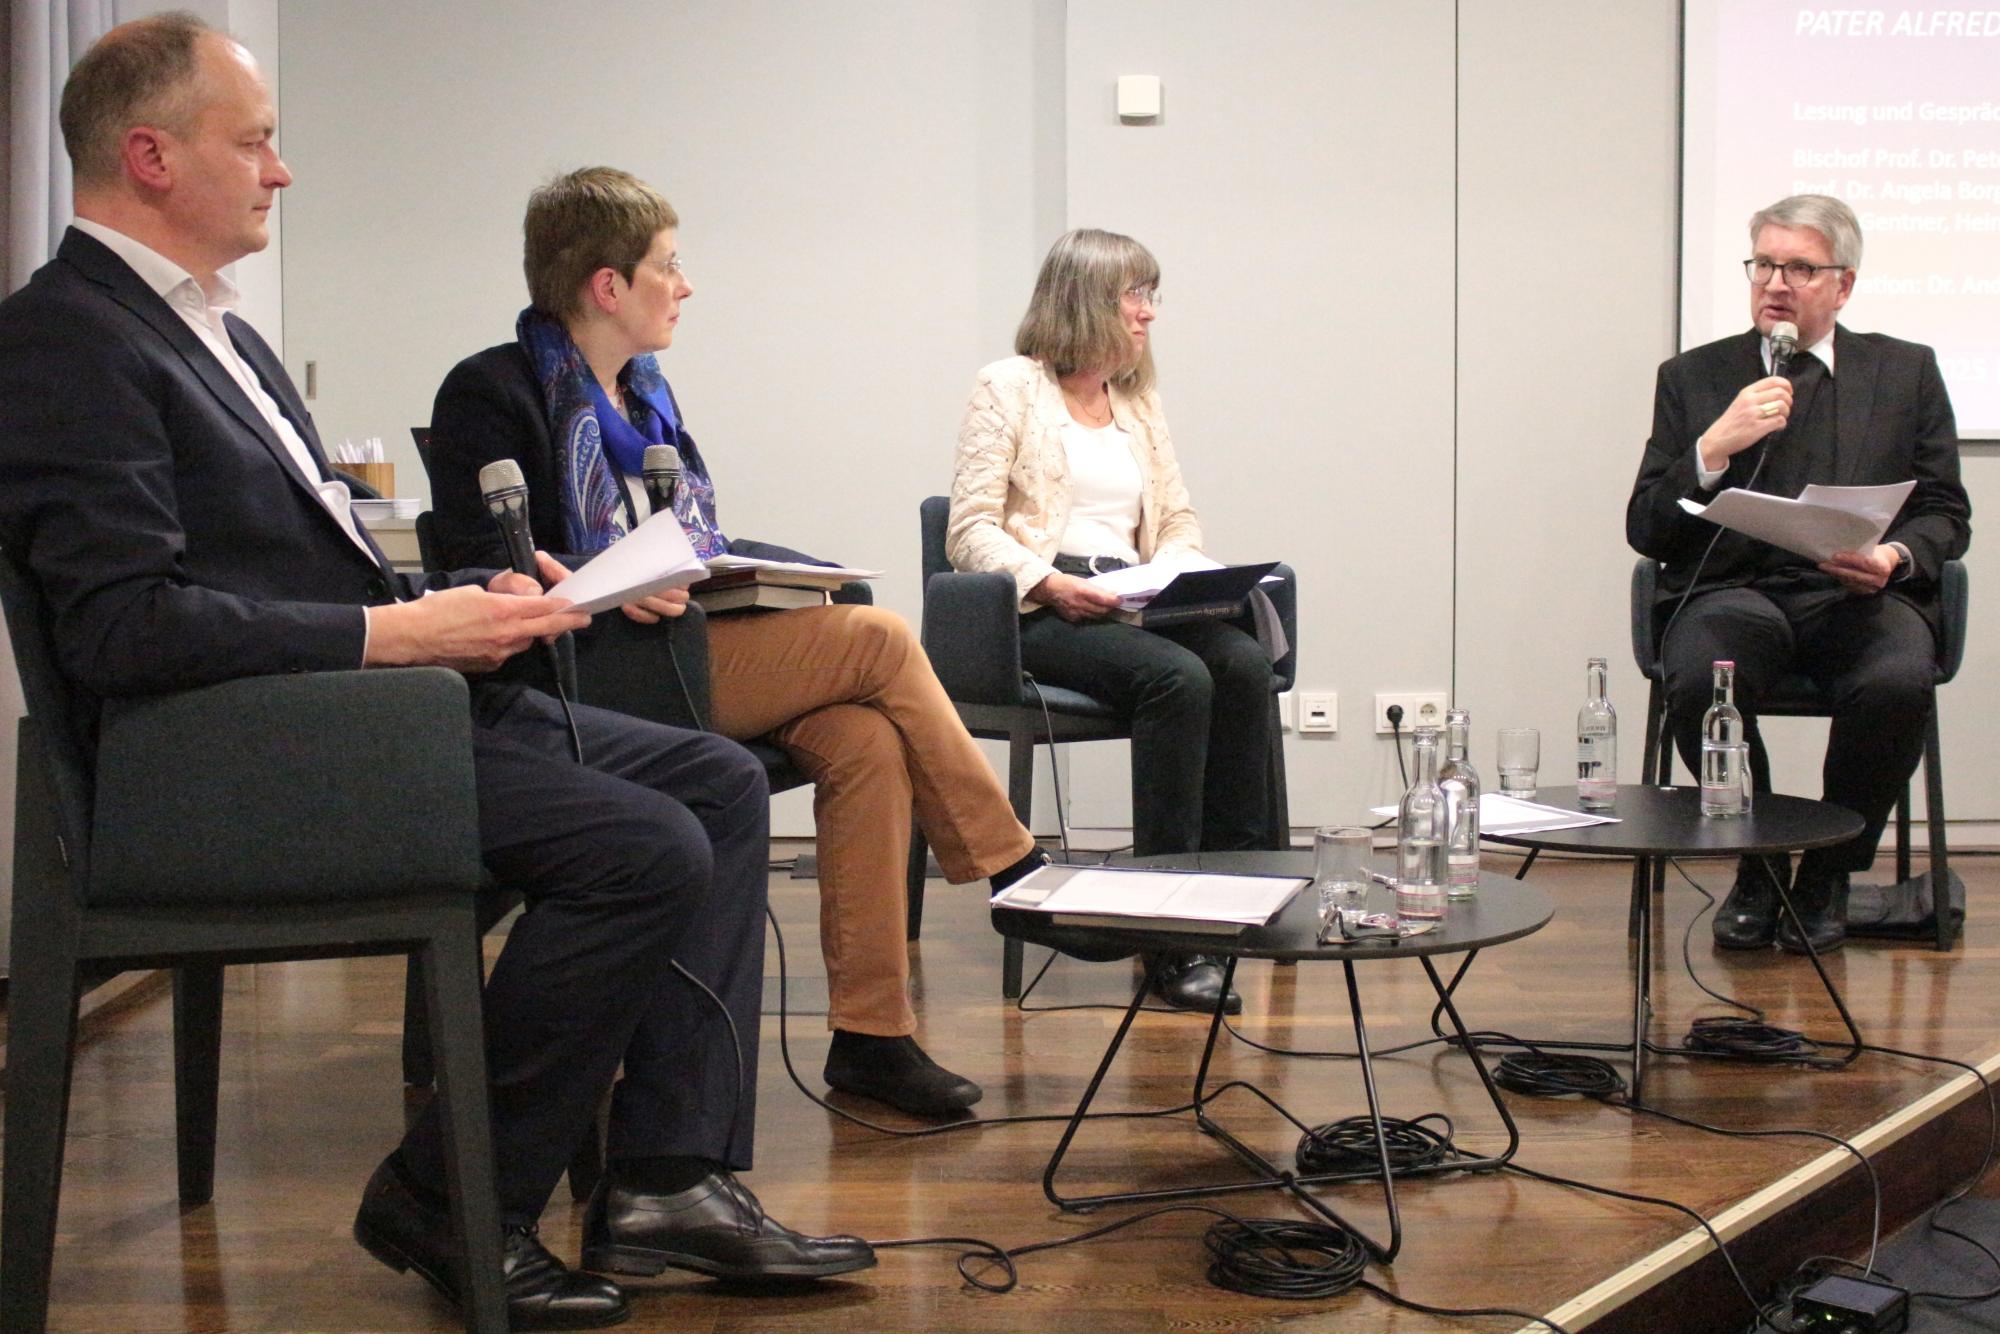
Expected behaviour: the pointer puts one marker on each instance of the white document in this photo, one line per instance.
(1239, 900)
(725, 563)
(1823, 520)
(653, 556)
(1504, 815)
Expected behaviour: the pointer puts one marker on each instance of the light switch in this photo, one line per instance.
(1138, 96)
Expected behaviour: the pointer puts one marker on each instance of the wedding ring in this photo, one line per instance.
(1769, 410)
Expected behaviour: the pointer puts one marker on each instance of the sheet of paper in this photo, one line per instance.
(1510, 815)
(723, 563)
(1247, 900)
(1821, 521)
(653, 556)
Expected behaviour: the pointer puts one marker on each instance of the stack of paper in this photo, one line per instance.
(1823, 520)
(1192, 901)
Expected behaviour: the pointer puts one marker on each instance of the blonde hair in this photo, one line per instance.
(1074, 321)
(590, 219)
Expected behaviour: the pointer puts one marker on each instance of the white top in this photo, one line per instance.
(201, 308)
(1105, 487)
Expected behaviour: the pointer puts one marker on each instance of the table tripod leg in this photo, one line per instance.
(1208, 1052)
(1533, 853)
(1382, 1253)
(1090, 1093)
(1485, 1076)
(1437, 1011)
(1833, 992)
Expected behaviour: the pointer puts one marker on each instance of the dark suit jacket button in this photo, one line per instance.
(377, 589)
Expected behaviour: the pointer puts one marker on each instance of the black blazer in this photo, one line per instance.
(491, 407)
(172, 533)
(1894, 424)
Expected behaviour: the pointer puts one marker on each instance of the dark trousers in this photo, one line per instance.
(653, 851)
(1873, 658)
(1199, 696)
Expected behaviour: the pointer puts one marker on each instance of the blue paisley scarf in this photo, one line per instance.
(597, 447)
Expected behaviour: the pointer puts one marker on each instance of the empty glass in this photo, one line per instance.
(1341, 858)
(1520, 761)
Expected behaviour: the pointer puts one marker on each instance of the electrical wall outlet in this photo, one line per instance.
(1319, 712)
(1420, 709)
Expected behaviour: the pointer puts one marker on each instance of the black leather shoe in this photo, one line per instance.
(405, 1232)
(1191, 982)
(1821, 902)
(1748, 918)
(897, 1071)
(713, 1227)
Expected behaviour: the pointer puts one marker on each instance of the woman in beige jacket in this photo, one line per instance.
(1065, 468)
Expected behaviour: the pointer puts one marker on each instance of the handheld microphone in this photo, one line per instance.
(662, 472)
(506, 493)
(1784, 343)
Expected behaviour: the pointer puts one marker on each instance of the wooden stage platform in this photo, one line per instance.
(311, 1101)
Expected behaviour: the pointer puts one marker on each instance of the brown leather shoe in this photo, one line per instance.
(405, 1232)
(714, 1227)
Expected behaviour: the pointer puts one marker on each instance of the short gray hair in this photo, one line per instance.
(1074, 322)
(1824, 214)
(147, 72)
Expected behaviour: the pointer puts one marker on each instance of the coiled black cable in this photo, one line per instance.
(1545, 1074)
(1349, 1145)
(1283, 1258)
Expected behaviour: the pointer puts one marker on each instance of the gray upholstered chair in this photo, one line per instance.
(972, 632)
(1797, 697)
(262, 819)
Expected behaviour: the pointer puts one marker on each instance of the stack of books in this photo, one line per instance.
(736, 583)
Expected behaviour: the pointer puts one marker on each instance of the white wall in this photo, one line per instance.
(1344, 197)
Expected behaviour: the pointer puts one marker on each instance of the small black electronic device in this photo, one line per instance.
(1836, 1303)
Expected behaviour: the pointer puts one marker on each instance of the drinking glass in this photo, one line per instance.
(1520, 761)
(1341, 857)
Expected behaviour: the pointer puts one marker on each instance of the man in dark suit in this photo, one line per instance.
(163, 481)
(1857, 409)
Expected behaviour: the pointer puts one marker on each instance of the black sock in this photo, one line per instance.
(664, 1174)
(1034, 861)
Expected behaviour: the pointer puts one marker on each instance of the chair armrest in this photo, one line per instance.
(972, 632)
(855, 592)
(1955, 599)
(1645, 587)
(1284, 596)
(656, 672)
(320, 786)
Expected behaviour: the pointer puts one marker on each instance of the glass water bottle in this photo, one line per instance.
(1460, 783)
(1725, 755)
(1420, 837)
(1597, 743)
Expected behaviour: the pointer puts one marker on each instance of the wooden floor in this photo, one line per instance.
(311, 1101)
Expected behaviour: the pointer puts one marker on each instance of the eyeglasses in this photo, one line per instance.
(667, 267)
(1798, 273)
(1144, 296)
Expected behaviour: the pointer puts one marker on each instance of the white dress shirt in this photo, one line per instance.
(201, 308)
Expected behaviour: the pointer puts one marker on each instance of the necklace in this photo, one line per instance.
(1100, 416)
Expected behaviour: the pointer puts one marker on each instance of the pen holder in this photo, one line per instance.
(381, 477)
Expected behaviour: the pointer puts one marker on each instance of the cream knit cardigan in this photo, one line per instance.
(1010, 488)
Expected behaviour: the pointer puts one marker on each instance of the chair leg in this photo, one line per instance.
(1940, 868)
(197, 1072)
(417, 1069)
(1903, 833)
(41, 1037)
(919, 863)
(1021, 796)
(453, 980)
